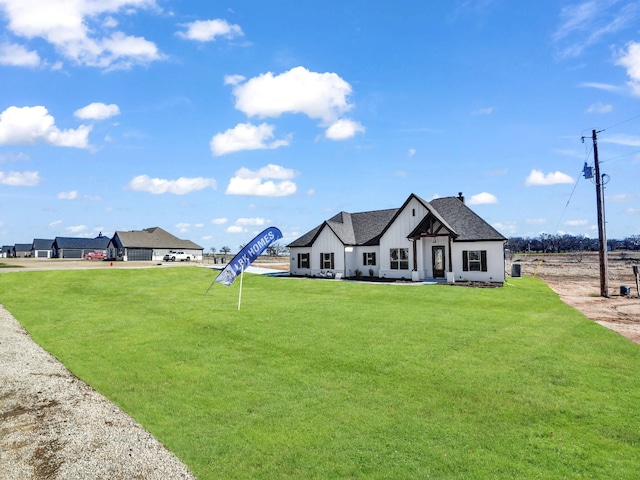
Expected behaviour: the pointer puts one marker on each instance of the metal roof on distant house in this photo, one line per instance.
(23, 247)
(42, 244)
(154, 237)
(366, 228)
(78, 243)
(7, 249)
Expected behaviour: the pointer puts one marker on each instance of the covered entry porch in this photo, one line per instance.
(432, 243)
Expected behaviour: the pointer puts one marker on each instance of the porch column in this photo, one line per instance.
(450, 253)
(415, 255)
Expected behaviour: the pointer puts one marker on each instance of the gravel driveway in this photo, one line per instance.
(55, 427)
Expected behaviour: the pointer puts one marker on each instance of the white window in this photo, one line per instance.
(399, 258)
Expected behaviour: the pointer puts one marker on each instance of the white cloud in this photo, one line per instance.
(20, 179)
(54, 223)
(632, 210)
(537, 178)
(483, 111)
(181, 186)
(603, 86)
(249, 182)
(97, 111)
(15, 55)
(183, 227)
(219, 221)
(235, 229)
(576, 223)
(483, 198)
(72, 195)
(30, 125)
(536, 221)
(76, 228)
(631, 61)
(411, 152)
(622, 197)
(82, 30)
(587, 23)
(600, 107)
(208, 30)
(343, 129)
(317, 95)
(509, 228)
(251, 221)
(622, 139)
(245, 136)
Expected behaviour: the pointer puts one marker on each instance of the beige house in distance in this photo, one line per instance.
(150, 244)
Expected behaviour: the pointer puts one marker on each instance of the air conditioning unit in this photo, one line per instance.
(516, 270)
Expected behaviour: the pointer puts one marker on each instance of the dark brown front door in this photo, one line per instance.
(438, 261)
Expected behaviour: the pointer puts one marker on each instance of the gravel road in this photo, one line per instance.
(55, 427)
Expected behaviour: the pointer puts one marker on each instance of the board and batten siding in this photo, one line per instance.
(495, 261)
(396, 237)
(326, 242)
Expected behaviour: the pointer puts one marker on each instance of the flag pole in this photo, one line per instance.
(214, 280)
(240, 294)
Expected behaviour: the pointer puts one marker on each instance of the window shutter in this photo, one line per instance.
(298, 260)
(322, 261)
(332, 267)
(483, 260)
(364, 259)
(373, 257)
(465, 260)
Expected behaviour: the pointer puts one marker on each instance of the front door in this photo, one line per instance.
(438, 261)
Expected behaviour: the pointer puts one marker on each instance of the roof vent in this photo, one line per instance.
(461, 197)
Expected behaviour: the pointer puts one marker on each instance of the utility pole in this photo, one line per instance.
(602, 233)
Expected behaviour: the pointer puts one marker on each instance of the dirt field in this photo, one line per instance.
(577, 280)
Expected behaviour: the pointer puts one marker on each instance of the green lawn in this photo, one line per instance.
(322, 379)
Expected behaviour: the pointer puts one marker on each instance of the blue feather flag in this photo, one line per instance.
(247, 255)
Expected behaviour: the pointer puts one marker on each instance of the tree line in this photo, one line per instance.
(547, 243)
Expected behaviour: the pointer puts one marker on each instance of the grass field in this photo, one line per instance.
(323, 379)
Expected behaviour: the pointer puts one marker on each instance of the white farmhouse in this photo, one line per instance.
(442, 239)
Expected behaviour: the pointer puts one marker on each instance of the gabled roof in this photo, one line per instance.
(468, 225)
(42, 244)
(363, 228)
(78, 243)
(366, 228)
(154, 237)
(7, 248)
(23, 247)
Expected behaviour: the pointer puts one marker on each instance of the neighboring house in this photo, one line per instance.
(441, 239)
(42, 248)
(22, 250)
(150, 244)
(7, 251)
(73, 247)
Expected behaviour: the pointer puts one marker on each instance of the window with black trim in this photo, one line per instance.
(399, 258)
(326, 261)
(368, 258)
(303, 260)
(474, 260)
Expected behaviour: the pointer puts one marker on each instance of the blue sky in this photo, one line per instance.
(214, 120)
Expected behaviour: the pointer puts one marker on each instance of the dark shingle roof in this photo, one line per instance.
(42, 244)
(68, 243)
(366, 228)
(23, 247)
(154, 237)
(464, 221)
